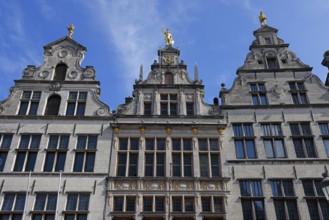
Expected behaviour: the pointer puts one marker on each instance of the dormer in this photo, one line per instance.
(269, 53)
(168, 90)
(59, 87)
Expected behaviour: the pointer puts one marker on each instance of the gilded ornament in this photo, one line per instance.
(168, 131)
(116, 130)
(194, 131)
(168, 59)
(221, 131)
(142, 130)
(70, 29)
(168, 37)
(262, 18)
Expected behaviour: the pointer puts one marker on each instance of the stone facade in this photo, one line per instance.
(165, 153)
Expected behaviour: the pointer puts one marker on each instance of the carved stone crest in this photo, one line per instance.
(168, 59)
(55, 86)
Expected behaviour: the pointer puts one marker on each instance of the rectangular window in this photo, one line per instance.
(212, 204)
(168, 104)
(44, 206)
(182, 157)
(155, 158)
(124, 204)
(324, 128)
(244, 141)
(303, 140)
(177, 204)
(5, 143)
(209, 157)
(127, 163)
(13, 206)
(27, 152)
(29, 103)
(77, 206)
(298, 92)
(76, 104)
(85, 153)
(56, 153)
(273, 140)
(252, 199)
(258, 93)
(147, 108)
(189, 108)
(318, 206)
(284, 199)
(272, 63)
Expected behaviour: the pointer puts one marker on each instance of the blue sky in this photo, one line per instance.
(122, 34)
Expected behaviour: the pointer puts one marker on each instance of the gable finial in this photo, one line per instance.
(262, 18)
(70, 29)
(168, 37)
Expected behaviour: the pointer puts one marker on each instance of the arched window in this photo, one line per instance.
(60, 72)
(169, 79)
(53, 104)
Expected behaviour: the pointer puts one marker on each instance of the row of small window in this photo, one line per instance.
(155, 157)
(77, 206)
(28, 148)
(284, 199)
(168, 106)
(178, 204)
(178, 144)
(297, 91)
(76, 103)
(273, 139)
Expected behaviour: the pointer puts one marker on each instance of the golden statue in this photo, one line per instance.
(262, 18)
(70, 29)
(168, 37)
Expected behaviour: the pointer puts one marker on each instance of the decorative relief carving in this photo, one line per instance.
(215, 110)
(73, 75)
(147, 97)
(277, 91)
(89, 72)
(29, 71)
(44, 74)
(102, 111)
(211, 186)
(55, 86)
(168, 59)
(62, 53)
(154, 186)
(182, 186)
(125, 186)
(189, 97)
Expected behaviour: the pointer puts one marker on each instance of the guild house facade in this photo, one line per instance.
(258, 153)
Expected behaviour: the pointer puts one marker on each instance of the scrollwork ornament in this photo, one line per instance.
(73, 75)
(44, 74)
(102, 111)
(55, 86)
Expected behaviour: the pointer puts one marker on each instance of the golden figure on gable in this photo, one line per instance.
(168, 37)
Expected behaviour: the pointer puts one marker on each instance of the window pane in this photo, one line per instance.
(324, 128)
(60, 164)
(263, 100)
(268, 149)
(52, 200)
(276, 188)
(90, 161)
(288, 187)
(248, 130)
(53, 140)
(20, 158)
(177, 204)
(133, 164)
(215, 165)
(237, 130)
(313, 209)
(73, 95)
(204, 167)
(71, 202)
(255, 100)
(64, 142)
(6, 141)
(70, 109)
(8, 202)
(247, 209)
(40, 202)
(149, 144)
(259, 209)
(118, 203)
(50, 157)
(134, 143)
(123, 144)
(308, 188)
(20, 201)
(92, 142)
(35, 141)
(256, 188)
(292, 210)
(176, 165)
(164, 108)
(83, 202)
(266, 129)
(33, 108)
(159, 204)
(218, 204)
(161, 144)
(176, 144)
(326, 145)
(303, 99)
(251, 153)
(173, 109)
(244, 188)
(206, 204)
(78, 162)
(122, 162)
(214, 144)
(147, 204)
(188, 165)
(130, 204)
(279, 209)
(276, 130)
(239, 149)
(26, 95)
(23, 108)
(324, 209)
(295, 129)
(160, 165)
(279, 148)
(25, 140)
(294, 97)
(306, 129)
(253, 87)
(261, 87)
(82, 141)
(187, 143)
(310, 147)
(203, 144)
(189, 204)
(3, 158)
(31, 158)
(299, 148)
(82, 95)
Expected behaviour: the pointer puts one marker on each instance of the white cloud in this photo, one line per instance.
(48, 11)
(134, 27)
